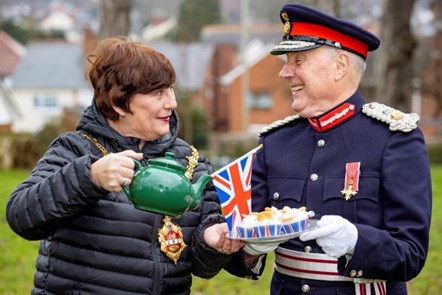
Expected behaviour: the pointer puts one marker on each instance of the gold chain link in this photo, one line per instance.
(191, 164)
(102, 149)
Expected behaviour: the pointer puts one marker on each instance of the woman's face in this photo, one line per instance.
(150, 116)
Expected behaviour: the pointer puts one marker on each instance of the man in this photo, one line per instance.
(362, 168)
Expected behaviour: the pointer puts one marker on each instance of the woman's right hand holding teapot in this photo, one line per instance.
(115, 170)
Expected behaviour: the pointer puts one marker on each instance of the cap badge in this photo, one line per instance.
(285, 17)
(351, 184)
(170, 237)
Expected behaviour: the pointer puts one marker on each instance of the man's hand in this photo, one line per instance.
(336, 235)
(259, 248)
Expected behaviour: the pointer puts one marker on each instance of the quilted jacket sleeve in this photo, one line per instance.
(207, 262)
(58, 188)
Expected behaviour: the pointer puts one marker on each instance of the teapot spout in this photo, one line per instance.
(198, 188)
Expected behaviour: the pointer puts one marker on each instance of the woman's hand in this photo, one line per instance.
(114, 171)
(215, 236)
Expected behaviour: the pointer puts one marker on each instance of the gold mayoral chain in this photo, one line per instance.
(170, 235)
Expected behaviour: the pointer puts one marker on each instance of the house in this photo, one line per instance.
(11, 53)
(242, 91)
(158, 29)
(58, 18)
(190, 61)
(49, 79)
(230, 80)
(8, 111)
(237, 34)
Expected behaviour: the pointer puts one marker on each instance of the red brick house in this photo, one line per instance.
(222, 94)
(11, 53)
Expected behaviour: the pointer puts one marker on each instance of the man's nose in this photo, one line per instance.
(286, 72)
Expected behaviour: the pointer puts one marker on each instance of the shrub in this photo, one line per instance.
(435, 153)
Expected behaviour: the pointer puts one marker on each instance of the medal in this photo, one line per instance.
(171, 240)
(351, 184)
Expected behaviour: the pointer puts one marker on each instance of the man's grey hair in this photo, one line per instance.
(358, 63)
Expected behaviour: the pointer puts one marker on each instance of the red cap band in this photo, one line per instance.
(307, 29)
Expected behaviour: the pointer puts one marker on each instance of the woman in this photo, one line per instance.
(93, 240)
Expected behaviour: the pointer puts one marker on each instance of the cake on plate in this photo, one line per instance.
(273, 222)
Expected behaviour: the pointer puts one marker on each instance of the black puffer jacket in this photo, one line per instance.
(96, 242)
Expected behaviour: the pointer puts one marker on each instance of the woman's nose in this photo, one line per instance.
(171, 100)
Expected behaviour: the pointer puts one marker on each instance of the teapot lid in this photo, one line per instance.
(168, 161)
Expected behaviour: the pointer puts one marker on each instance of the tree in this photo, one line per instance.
(395, 67)
(193, 15)
(114, 18)
(432, 75)
(193, 121)
(15, 31)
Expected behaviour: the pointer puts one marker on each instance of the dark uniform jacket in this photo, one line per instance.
(300, 166)
(96, 242)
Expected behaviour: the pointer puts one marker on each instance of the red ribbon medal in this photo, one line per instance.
(351, 184)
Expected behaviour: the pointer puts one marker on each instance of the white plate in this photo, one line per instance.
(311, 225)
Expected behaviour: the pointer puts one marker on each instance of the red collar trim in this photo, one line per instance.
(307, 29)
(333, 118)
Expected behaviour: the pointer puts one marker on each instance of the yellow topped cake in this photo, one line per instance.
(273, 222)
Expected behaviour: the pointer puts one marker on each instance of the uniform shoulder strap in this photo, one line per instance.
(277, 124)
(397, 120)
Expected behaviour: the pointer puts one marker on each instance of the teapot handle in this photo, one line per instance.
(138, 164)
(125, 188)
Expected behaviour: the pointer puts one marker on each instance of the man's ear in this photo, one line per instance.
(342, 65)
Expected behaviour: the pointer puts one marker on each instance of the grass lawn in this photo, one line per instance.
(17, 259)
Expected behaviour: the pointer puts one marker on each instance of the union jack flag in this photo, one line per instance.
(233, 185)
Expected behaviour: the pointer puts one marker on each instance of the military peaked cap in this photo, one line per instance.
(306, 28)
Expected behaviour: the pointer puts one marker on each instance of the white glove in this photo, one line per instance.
(257, 249)
(336, 235)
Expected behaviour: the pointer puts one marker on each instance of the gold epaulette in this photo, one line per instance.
(278, 124)
(397, 120)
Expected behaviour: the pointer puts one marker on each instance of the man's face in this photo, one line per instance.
(310, 76)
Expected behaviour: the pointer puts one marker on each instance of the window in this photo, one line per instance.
(259, 100)
(45, 101)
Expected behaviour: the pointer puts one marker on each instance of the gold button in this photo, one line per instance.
(353, 273)
(360, 274)
(305, 288)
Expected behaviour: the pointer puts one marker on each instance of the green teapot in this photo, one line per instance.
(162, 187)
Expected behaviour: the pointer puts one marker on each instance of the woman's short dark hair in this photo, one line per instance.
(120, 68)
